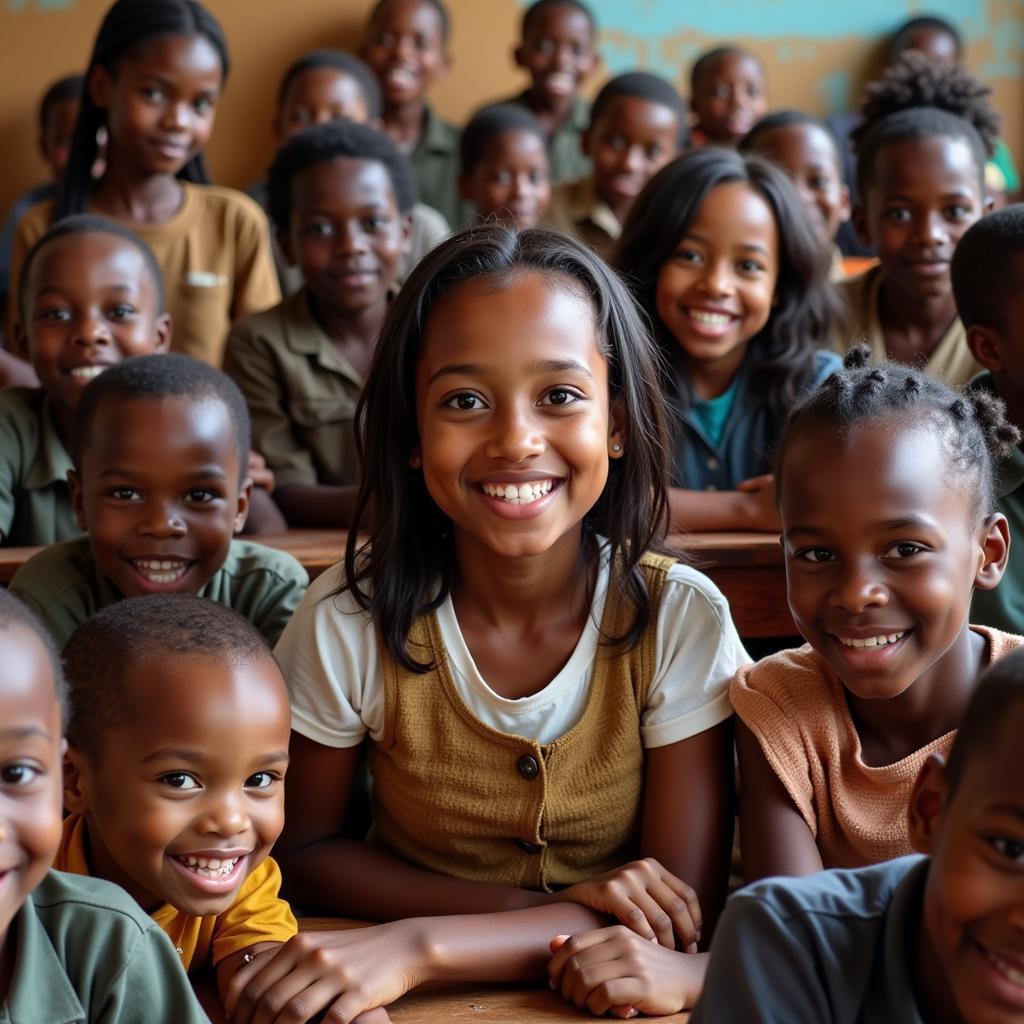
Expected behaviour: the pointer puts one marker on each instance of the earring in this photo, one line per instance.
(616, 447)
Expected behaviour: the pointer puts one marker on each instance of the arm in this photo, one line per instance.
(264, 516)
(750, 507)
(319, 506)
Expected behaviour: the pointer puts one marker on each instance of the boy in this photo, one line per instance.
(987, 275)
(637, 125)
(728, 95)
(71, 949)
(160, 446)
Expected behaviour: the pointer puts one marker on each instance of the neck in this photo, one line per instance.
(132, 196)
(404, 122)
(711, 378)
(924, 319)
(361, 327)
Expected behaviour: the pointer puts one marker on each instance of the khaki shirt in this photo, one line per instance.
(951, 361)
(35, 499)
(301, 392)
(566, 160)
(577, 210)
(435, 162)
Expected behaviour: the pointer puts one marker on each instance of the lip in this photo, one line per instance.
(560, 83)
(208, 886)
(705, 329)
(626, 186)
(91, 370)
(928, 268)
(171, 148)
(177, 573)
(1005, 990)
(509, 511)
(868, 658)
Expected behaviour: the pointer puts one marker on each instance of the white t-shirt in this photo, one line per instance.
(329, 656)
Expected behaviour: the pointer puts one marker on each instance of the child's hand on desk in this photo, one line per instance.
(760, 504)
(646, 898)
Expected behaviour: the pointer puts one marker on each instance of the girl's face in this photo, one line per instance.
(318, 96)
(514, 417)
(511, 182)
(160, 102)
(715, 292)
(923, 196)
(883, 549)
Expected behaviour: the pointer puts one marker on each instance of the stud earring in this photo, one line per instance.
(616, 447)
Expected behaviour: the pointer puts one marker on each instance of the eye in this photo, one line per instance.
(386, 39)
(19, 774)
(537, 177)
(318, 229)
(55, 314)
(502, 177)
(124, 494)
(720, 91)
(545, 47)
(203, 105)
(262, 780)
(181, 781)
(151, 92)
(750, 266)
(1012, 849)
(201, 495)
(904, 549)
(465, 401)
(818, 182)
(653, 152)
(122, 311)
(898, 214)
(561, 396)
(957, 211)
(816, 555)
(616, 142)
(685, 255)
(376, 222)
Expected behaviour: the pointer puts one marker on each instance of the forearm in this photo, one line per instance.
(321, 506)
(697, 511)
(264, 515)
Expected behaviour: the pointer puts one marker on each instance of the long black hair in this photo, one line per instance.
(126, 26)
(406, 564)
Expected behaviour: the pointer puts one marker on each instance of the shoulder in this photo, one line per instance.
(50, 576)
(794, 679)
(21, 410)
(226, 210)
(246, 558)
(441, 135)
(686, 586)
(430, 220)
(856, 289)
(999, 643)
(267, 326)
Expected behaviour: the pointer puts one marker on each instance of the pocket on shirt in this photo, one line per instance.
(315, 412)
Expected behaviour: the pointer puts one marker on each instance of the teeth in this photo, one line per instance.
(86, 372)
(712, 319)
(157, 571)
(524, 494)
(873, 641)
(211, 867)
(1008, 972)
(400, 76)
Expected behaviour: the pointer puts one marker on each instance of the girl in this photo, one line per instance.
(154, 78)
(921, 153)
(533, 685)
(720, 253)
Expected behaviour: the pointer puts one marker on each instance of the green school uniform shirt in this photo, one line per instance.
(578, 210)
(435, 162)
(63, 586)
(35, 499)
(86, 953)
(566, 160)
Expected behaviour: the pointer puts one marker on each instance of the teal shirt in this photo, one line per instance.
(712, 413)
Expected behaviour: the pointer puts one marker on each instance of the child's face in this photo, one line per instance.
(90, 301)
(937, 45)
(883, 550)
(511, 182)
(924, 195)
(30, 770)
(199, 774)
(159, 491)
(512, 396)
(160, 102)
(730, 97)
(319, 96)
(630, 142)
(346, 233)
(56, 139)
(1001, 349)
(405, 47)
(558, 52)
(808, 155)
(715, 292)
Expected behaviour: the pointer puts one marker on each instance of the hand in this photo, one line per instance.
(760, 504)
(343, 972)
(614, 970)
(258, 472)
(646, 898)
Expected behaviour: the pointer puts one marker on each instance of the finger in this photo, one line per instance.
(755, 483)
(682, 910)
(572, 944)
(247, 985)
(593, 975)
(616, 994)
(556, 943)
(378, 1016)
(347, 1009)
(659, 923)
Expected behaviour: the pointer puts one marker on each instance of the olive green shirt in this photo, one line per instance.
(35, 499)
(301, 392)
(63, 586)
(566, 160)
(435, 162)
(578, 210)
(86, 953)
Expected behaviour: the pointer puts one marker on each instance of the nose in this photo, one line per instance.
(163, 518)
(350, 240)
(176, 115)
(223, 816)
(515, 436)
(717, 280)
(931, 229)
(857, 590)
(405, 46)
(634, 159)
(90, 329)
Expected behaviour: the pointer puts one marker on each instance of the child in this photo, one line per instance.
(735, 280)
(505, 173)
(557, 50)
(988, 284)
(637, 125)
(91, 295)
(933, 938)
(154, 78)
(884, 478)
(728, 95)
(805, 149)
(407, 48)
(921, 155)
(71, 949)
(340, 195)
(160, 446)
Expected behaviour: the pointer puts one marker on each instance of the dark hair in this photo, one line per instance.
(973, 421)
(999, 689)
(750, 143)
(538, 7)
(346, 64)
(490, 122)
(982, 273)
(104, 649)
(89, 224)
(442, 15)
(125, 27)
(917, 99)
(924, 23)
(807, 312)
(710, 57)
(154, 377)
(644, 86)
(14, 615)
(68, 88)
(322, 142)
(406, 564)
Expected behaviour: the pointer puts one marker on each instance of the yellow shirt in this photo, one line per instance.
(257, 915)
(216, 260)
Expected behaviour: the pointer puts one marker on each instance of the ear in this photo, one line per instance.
(592, 65)
(988, 203)
(927, 804)
(76, 772)
(985, 344)
(518, 56)
(617, 432)
(844, 204)
(77, 498)
(860, 222)
(242, 508)
(164, 327)
(995, 551)
(416, 458)
(100, 84)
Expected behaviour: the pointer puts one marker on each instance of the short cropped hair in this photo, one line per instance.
(983, 273)
(442, 14)
(68, 88)
(490, 122)
(538, 7)
(337, 60)
(105, 648)
(923, 23)
(14, 615)
(784, 119)
(645, 86)
(710, 57)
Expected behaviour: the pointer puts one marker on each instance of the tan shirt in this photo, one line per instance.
(215, 257)
(951, 361)
(577, 210)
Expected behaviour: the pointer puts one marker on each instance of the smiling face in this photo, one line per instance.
(730, 97)
(158, 488)
(715, 292)
(30, 771)
(511, 183)
(513, 413)
(197, 777)
(318, 96)
(923, 195)
(406, 50)
(558, 52)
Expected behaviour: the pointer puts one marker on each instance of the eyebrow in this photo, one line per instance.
(743, 245)
(174, 754)
(544, 366)
(1009, 809)
(207, 471)
(889, 525)
(59, 289)
(963, 193)
(24, 732)
(275, 758)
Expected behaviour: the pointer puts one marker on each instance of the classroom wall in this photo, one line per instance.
(818, 54)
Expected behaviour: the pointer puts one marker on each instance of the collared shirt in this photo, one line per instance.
(951, 360)
(577, 209)
(566, 159)
(85, 952)
(836, 946)
(435, 161)
(301, 392)
(63, 585)
(35, 499)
